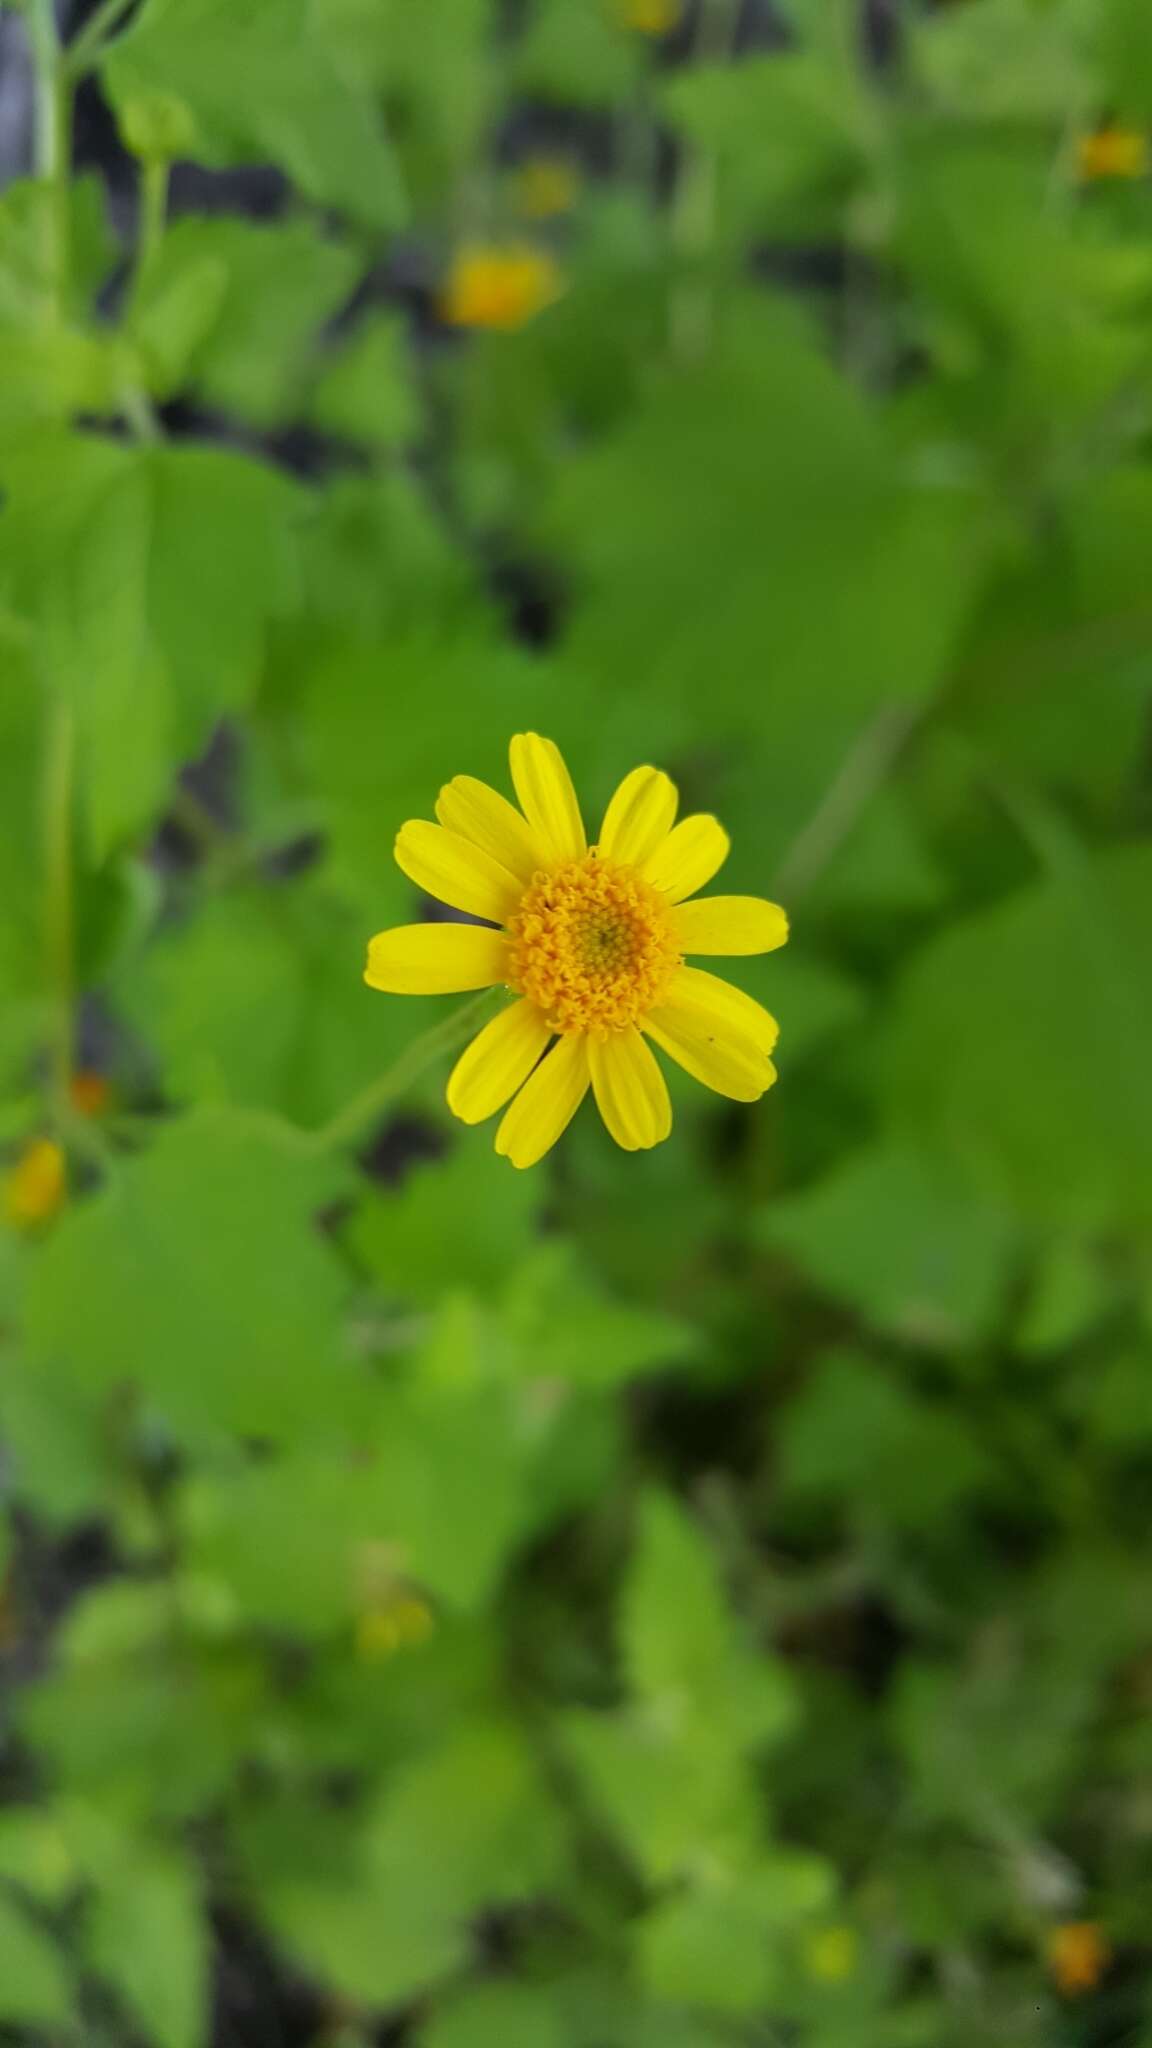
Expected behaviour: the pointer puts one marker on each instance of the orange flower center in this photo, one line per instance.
(592, 946)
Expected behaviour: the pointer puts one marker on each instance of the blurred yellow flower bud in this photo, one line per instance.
(400, 1624)
(650, 17)
(89, 1092)
(831, 1954)
(37, 1186)
(543, 186)
(500, 286)
(1078, 1955)
(1114, 153)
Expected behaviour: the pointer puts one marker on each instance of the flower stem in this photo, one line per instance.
(59, 914)
(364, 1110)
(153, 216)
(53, 140)
(88, 47)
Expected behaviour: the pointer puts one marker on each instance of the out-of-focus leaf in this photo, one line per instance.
(149, 577)
(198, 1277)
(34, 1986)
(853, 1435)
(1017, 1043)
(464, 1216)
(365, 393)
(255, 298)
(147, 1936)
(309, 114)
(467, 1823)
(917, 1250)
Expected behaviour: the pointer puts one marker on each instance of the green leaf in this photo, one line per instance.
(494, 2015)
(854, 1435)
(309, 115)
(910, 1243)
(708, 1949)
(467, 1825)
(365, 394)
(34, 1986)
(197, 1273)
(255, 299)
(805, 492)
(566, 1329)
(977, 1063)
(147, 1936)
(462, 1216)
(149, 576)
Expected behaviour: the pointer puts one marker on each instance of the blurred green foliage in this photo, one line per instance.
(688, 1600)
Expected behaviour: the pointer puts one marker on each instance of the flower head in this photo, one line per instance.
(36, 1187)
(399, 1623)
(500, 286)
(831, 1954)
(89, 1092)
(544, 186)
(1078, 1955)
(650, 17)
(1114, 152)
(593, 941)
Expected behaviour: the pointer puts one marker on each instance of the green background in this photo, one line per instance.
(778, 1500)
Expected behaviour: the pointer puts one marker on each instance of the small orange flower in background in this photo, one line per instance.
(89, 1092)
(831, 1954)
(36, 1188)
(592, 941)
(543, 186)
(650, 17)
(499, 286)
(1114, 152)
(1078, 1955)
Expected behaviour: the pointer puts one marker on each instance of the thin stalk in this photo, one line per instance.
(59, 909)
(88, 47)
(366, 1108)
(152, 221)
(847, 797)
(53, 140)
(694, 211)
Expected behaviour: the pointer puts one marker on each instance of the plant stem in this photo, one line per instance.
(848, 795)
(151, 222)
(694, 211)
(424, 1052)
(59, 915)
(53, 139)
(88, 47)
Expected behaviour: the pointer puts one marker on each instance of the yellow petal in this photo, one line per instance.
(436, 959)
(455, 872)
(639, 817)
(631, 1092)
(498, 1060)
(546, 1104)
(731, 1012)
(727, 1057)
(547, 797)
(694, 851)
(731, 924)
(483, 816)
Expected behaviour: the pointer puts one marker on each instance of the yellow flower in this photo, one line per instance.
(398, 1624)
(831, 1954)
(544, 185)
(1114, 152)
(592, 941)
(1078, 1955)
(650, 17)
(501, 286)
(37, 1185)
